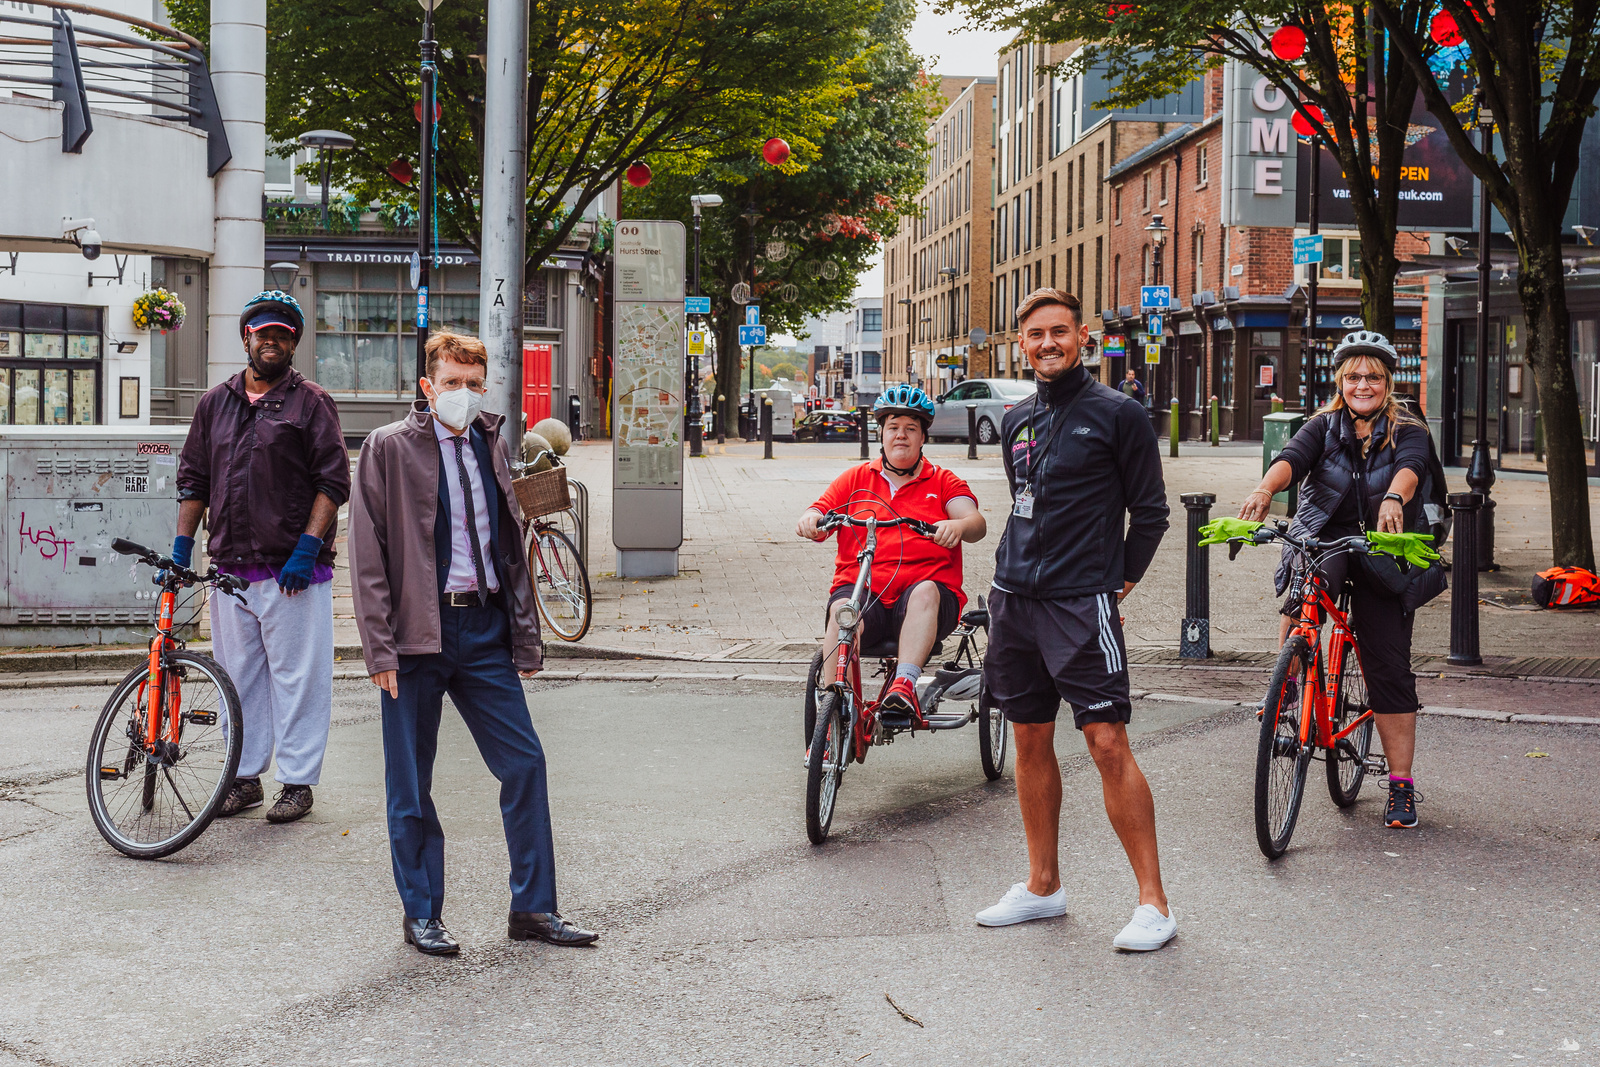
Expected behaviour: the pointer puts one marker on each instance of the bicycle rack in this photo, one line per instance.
(580, 516)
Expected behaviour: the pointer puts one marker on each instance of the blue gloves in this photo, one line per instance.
(296, 574)
(182, 550)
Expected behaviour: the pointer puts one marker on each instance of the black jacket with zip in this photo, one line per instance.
(1096, 465)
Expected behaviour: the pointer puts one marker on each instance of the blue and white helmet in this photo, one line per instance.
(904, 399)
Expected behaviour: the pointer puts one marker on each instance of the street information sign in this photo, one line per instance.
(1308, 249)
(752, 314)
(1155, 296)
(1152, 353)
(752, 335)
(1156, 326)
(1116, 346)
(697, 305)
(697, 342)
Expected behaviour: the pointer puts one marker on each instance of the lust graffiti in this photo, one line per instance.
(49, 545)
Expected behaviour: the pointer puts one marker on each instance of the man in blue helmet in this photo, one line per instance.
(916, 581)
(266, 457)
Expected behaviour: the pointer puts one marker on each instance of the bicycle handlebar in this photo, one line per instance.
(1279, 531)
(231, 584)
(835, 519)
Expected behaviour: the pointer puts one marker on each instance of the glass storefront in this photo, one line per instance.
(50, 364)
(366, 318)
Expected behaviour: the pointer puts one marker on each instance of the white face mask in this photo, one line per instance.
(458, 407)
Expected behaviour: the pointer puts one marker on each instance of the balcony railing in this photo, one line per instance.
(165, 71)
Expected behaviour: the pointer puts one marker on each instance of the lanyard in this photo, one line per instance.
(1057, 419)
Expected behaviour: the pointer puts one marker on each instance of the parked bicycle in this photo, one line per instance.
(842, 726)
(560, 580)
(166, 746)
(1316, 705)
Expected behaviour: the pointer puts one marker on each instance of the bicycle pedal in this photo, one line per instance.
(200, 718)
(112, 774)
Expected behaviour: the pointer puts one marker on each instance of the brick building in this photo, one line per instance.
(935, 288)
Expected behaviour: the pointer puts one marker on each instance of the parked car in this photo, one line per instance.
(993, 397)
(824, 425)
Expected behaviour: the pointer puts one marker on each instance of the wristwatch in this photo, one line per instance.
(1396, 497)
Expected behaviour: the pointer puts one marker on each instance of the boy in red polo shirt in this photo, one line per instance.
(916, 582)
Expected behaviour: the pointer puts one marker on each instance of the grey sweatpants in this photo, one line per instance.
(279, 652)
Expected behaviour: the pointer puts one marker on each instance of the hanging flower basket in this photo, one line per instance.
(159, 309)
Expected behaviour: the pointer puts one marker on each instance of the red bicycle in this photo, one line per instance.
(842, 726)
(1316, 705)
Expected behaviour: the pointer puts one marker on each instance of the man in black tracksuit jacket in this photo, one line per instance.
(1089, 509)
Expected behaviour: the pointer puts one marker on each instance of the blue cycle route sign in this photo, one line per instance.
(752, 335)
(1155, 296)
(697, 305)
(1308, 249)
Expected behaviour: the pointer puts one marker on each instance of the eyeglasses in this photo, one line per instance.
(1357, 379)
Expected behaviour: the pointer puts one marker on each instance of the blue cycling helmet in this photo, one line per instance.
(904, 400)
(272, 307)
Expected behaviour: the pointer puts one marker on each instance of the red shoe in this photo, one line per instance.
(899, 706)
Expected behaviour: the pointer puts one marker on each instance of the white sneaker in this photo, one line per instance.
(1019, 906)
(1147, 931)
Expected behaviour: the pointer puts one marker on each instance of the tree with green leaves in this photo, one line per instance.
(610, 82)
(1537, 64)
(799, 234)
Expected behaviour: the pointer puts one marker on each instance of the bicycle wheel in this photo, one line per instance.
(813, 680)
(992, 735)
(1281, 760)
(1347, 767)
(830, 752)
(148, 805)
(560, 583)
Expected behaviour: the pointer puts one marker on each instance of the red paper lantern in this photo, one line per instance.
(1289, 43)
(775, 151)
(438, 110)
(1444, 31)
(638, 175)
(1116, 11)
(400, 171)
(1301, 126)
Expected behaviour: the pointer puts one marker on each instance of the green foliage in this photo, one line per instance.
(192, 17)
(611, 81)
(786, 370)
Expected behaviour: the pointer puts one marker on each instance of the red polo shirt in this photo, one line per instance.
(904, 557)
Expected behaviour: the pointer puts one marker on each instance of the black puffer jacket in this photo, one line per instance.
(1097, 465)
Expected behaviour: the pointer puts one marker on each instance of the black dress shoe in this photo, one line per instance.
(549, 927)
(430, 937)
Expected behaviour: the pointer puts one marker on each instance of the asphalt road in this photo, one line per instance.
(727, 939)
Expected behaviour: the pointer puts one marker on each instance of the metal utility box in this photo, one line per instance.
(783, 404)
(1276, 430)
(69, 491)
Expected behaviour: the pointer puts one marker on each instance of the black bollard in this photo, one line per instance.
(1464, 595)
(863, 416)
(972, 431)
(766, 429)
(1486, 535)
(1194, 641)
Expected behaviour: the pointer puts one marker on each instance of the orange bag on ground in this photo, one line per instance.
(1567, 587)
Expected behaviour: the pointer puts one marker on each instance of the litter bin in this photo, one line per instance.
(1276, 429)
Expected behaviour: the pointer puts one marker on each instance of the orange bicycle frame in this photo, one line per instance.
(1316, 697)
(155, 681)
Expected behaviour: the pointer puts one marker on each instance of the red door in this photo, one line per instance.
(535, 382)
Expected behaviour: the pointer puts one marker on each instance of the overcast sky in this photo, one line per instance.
(948, 46)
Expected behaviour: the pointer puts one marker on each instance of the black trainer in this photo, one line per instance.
(1402, 810)
(294, 802)
(243, 793)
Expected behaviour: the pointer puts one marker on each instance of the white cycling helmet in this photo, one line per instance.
(1367, 343)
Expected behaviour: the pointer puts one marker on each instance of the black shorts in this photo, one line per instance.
(1042, 652)
(882, 620)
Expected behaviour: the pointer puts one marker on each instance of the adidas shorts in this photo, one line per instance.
(1042, 652)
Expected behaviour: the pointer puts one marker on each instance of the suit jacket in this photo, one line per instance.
(400, 541)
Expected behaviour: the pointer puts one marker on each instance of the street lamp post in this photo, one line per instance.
(1480, 472)
(750, 216)
(430, 75)
(950, 272)
(325, 141)
(697, 201)
(1158, 239)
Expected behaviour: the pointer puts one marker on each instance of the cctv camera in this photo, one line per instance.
(90, 243)
(82, 233)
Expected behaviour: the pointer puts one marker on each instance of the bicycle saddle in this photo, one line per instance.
(976, 617)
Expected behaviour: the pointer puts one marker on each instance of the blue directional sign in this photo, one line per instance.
(752, 314)
(752, 335)
(1155, 296)
(697, 305)
(1308, 249)
(1156, 326)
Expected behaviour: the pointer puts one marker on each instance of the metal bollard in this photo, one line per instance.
(1172, 430)
(1464, 595)
(766, 429)
(721, 420)
(972, 431)
(863, 416)
(1216, 424)
(1486, 535)
(1194, 641)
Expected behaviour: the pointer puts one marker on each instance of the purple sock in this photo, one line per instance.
(1397, 778)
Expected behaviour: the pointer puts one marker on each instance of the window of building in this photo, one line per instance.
(1069, 195)
(1054, 206)
(1144, 197)
(1026, 218)
(1116, 281)
(1000, 225)
(871, 320)
(1016, 225)
(1202, 167)
(367, 314)
(1079, 289)
(1144, 265)
(1163, 183)
(1116, 201)
(1197, 254)
(1053, 271)
(50, 364)
(1099, 182)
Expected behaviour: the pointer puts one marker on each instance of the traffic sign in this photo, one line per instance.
(697, 305)
(1308, 249)
(1152, 353)
(947, 360)
(1155, 296)
(697, 342)
(752, 314)
(1156, 326)
(752, 335)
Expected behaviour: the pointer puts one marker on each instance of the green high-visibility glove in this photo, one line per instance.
(1219, 531)
(1415, 548)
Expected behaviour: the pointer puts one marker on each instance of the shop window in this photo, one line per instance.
(50, 364)
(366, 324)
(1266, 350)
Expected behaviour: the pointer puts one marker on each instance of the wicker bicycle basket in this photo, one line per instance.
(543, 493)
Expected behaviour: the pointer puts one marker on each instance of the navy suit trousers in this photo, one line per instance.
(474, 666)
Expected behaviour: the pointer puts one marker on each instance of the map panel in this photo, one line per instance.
(648, 387)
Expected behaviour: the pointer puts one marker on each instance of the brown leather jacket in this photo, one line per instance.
(394, 569)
